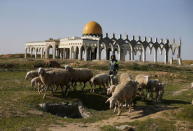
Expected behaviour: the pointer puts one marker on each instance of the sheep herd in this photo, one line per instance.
(122, 90)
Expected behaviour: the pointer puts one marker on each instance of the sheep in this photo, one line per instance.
(142, 81)
(159, 91)
(37, 82)
(102, 79)
(192, 85)
(157, 87)
(111, 89)
(34, 73)
(124, 91)
(54, 77)
(80, 75)
(124, 77)
(151, 87)
(31, 74)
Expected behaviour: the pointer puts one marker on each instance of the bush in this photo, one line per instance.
(47, 63)
(6, 65)
(52, 63)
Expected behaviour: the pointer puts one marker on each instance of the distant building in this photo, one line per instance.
(92, 42)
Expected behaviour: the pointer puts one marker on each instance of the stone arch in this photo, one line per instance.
(50, 51)
(89, 53)
(103, 49)
(149, 53)
(117, 51)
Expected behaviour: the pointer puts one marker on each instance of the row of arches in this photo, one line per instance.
(124, 50)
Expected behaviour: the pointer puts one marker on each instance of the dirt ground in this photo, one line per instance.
(124, 117)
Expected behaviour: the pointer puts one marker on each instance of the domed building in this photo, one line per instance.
(92, 28)
(93, 45)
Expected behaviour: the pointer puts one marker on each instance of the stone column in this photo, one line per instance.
(54, 52)
(140, 55)
(121, 56)
(98, 51)
(107, 55)
(179, 54)
(74, 54)
(171, 60)
(58, 53)
(70, 53)
(86, 53)
(41, 53)
(155, 56)
(36, 50)
(79, 53)
(26, 52)
(129, 55)
(132, 54)
(46, 53)
(64, 53)
(166, 57)
(144, 55)
(31, 52)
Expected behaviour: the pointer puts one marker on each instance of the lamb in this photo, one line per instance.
(80, 75)
(157, 87)
(54, 77)
(31, 74)
(37, 82)
(142, 81)
(124, 91)
(34, 73)
(102, 79)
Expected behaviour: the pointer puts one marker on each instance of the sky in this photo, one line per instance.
(23, 21)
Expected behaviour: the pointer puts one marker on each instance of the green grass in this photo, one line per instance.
(186, 113)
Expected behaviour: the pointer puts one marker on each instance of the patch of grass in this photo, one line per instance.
(186, 113)
(153, 125)
(109, 128)
(24, 123)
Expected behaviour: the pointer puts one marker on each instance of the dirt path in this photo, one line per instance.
(175, 93)
(125, 117)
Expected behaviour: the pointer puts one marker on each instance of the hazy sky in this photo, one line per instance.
(31, 20)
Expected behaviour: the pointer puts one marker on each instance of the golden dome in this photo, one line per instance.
(92, 28)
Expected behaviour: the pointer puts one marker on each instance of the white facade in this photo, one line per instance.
(91, 47)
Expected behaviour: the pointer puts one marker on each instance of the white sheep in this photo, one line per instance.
(34, 73)
(124, 92)
(82, 75)
(102, 79)
(54, 77)
(31, 74)
(124, 77)
(36, 82)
